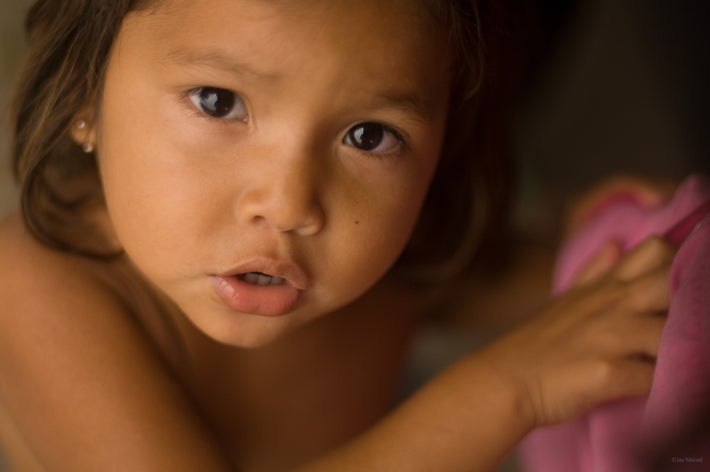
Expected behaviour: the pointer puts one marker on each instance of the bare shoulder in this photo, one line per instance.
(35, 275)
(44, 290)
(77, 372)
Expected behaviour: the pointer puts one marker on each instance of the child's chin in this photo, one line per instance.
(247, 331)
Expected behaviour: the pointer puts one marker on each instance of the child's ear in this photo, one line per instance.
(83, 134)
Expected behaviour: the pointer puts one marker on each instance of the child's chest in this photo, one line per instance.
(278, 406)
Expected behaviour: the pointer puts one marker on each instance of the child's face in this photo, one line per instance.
(291, 138)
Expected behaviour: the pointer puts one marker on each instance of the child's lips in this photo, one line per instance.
(245, 292)
(290, 272)
(254, 299)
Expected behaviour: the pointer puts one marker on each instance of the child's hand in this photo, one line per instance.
(596, 342)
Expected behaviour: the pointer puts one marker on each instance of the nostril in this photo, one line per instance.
(313, 223)
(286, 205)
(259, 220)
(304, 225)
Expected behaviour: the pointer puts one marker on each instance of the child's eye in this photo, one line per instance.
(219, 103)
(373, 137)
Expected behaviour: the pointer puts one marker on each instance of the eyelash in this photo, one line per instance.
(191, 96)
(401, 145)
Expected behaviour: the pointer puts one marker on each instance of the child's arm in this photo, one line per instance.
(80, 379)
(595, 343)
(89, 393)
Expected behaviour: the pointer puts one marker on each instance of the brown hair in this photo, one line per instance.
(463, 224)
(69, 45)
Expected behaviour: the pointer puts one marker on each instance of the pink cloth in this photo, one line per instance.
(620, 436)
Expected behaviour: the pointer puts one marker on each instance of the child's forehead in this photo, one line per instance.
(380, 40)
(406, 10)
(357, 19)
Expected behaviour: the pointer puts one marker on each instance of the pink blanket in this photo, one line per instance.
(668, 429)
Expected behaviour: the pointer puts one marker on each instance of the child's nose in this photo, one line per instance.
(284, 198)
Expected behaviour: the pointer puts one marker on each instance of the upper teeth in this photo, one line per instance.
(258, 278)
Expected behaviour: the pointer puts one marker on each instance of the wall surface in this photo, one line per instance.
(11, 47)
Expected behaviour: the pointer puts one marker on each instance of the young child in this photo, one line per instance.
(224, 207)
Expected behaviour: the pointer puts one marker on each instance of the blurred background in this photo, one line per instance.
(620, 86)
(613, 86)
(11, 47)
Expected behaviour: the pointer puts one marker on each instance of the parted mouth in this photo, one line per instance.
(267, 272)
(259, 278)
(269, 296)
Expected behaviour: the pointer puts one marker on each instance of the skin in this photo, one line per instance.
(137, 364)
(278, 180)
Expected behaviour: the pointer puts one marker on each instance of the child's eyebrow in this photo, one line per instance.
(215, 59)
(410, 103)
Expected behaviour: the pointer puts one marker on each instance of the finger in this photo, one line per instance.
(624, 336)
(649, 292)
(643, 337)
(599, 264)
(630, 377)
(651, 253)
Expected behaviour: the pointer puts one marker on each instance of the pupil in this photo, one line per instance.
(217, 102)
(367, 136)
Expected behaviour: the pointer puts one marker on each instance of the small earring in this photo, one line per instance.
(87, 147)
